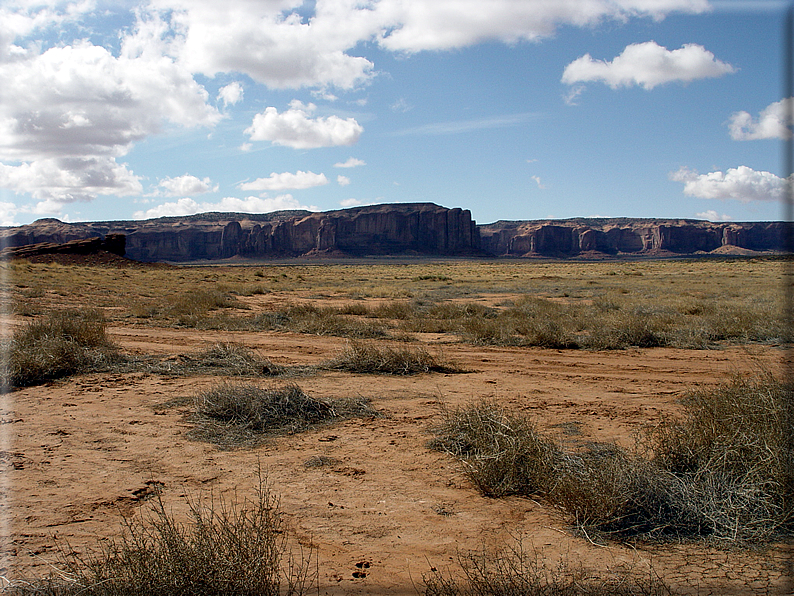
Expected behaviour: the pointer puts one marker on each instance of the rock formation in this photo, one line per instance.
(626, 236)
(403, 229)
(111, 243)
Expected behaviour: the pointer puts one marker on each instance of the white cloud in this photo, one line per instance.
(742, 184)
(56, 182)
(351, 162)
(298, 180)
(351, 203)
(773, 123)
(648, 65)
(231, 94)
(573, 94)
(294, 128)
(712, 215)
(185, 186)
(229, 204)
(246, 147)
(537, 181)
(342, 180)
(67, 113)
(445, 24)
(272, 44)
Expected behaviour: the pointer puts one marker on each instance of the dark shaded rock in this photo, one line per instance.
(112, 243)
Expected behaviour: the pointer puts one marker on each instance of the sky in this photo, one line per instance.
(513, 109)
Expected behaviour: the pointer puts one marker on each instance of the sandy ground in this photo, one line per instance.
(78, 455)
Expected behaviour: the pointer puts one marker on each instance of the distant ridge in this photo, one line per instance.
(405, 229)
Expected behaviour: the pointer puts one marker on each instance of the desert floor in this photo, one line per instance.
(80, 454)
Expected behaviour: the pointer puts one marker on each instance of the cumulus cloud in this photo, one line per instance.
(742, 184)
(343, 180)
(231, 94)
(295, 128)
(712, 215)
(298, 180)
(56, 182)
(774, 122)
(272, 43)
(186, 206)
(538, 182)
(351, 162)
(67, 114)
(292, 43)
(446, 24)
(647, 65)
(186, 186)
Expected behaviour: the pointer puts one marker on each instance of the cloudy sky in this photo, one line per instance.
(514, 109)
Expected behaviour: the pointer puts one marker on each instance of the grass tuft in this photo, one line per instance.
(242, 414)
(225, 548)
(369, 358)
(515, 570)
(58, 345)
(724, 471)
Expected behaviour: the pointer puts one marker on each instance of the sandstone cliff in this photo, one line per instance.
(404, 229)
(627, 236)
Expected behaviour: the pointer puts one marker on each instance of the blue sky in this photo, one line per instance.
(514, 109)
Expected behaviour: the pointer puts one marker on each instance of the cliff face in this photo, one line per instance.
(417, 228)
(575, 237)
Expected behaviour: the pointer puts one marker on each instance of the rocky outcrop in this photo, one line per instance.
(403, 229)
(625, 236)
(112, 243)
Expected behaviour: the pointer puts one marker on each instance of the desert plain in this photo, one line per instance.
(366, 496)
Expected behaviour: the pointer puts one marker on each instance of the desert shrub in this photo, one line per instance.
(248, 406)
(242, 414)
(237, 548)
(57, 345)
(198, 302)
(361, 357)
(734, 451)
(502, 454)
(235, 359)
(530, 321)
(619, 328)
(307, 318)
(723, 471)
(515, 570)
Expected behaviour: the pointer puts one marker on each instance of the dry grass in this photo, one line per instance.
(598, 305)
(236, 414)
(516, 570)
(236, 548)
(58, 345)
(371, 358)
(722, 472)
